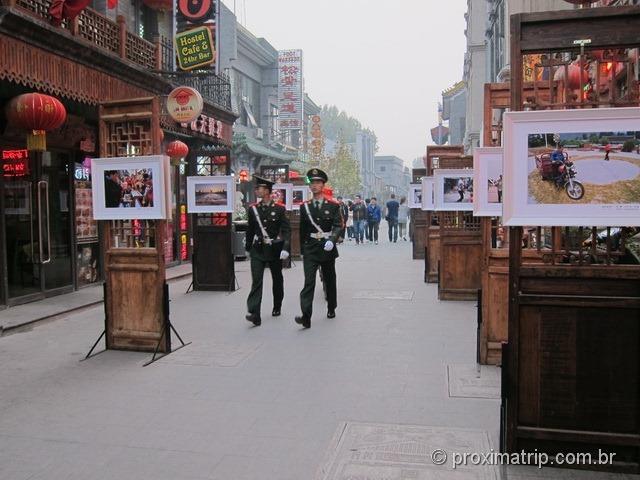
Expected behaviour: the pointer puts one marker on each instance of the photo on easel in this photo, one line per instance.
(127, 188)
(210, 194)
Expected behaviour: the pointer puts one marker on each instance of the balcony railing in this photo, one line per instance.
(106, 35)
(214, 88)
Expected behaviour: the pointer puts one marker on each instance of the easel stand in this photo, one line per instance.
(167, 328)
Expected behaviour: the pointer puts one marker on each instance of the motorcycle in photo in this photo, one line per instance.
(557, 167)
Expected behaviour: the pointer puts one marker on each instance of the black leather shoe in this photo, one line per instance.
(304, 321)
(275, 312)
(331, 314)
(253, 318)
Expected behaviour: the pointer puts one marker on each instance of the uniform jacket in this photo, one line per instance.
(275, 221)
(329, 219)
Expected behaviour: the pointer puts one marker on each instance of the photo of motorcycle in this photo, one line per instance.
(556, 167)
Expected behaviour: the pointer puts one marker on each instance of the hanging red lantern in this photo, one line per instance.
(159, 5)
(177, 150)
(38, 113)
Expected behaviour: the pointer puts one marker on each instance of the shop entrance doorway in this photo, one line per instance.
(37, 224)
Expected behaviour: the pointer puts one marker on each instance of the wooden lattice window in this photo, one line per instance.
(99, 30)
(133, 233)
(129, 138)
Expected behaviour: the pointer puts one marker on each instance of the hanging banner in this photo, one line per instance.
(290, 90)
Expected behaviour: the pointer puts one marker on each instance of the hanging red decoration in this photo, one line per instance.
(159, 5)
(37, 113)
(177, 150)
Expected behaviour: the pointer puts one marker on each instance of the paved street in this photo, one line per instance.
(393, 373)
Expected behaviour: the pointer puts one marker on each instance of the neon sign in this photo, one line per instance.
(15, 163)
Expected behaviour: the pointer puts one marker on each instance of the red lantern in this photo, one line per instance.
(38, 113)
(177, 150)
(159, 5)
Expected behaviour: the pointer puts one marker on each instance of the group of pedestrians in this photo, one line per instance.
(362, 218)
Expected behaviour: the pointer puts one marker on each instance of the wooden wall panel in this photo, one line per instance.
(460, 265)
(36, 68)
(419, 220)
(433, 253)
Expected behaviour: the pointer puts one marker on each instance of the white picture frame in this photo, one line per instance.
(428, 194)
(211, 194)
(280, 190)
(489, 181)
(607, 199)
(299, 195)
(142, 182)
(448, 185)
(414, 199)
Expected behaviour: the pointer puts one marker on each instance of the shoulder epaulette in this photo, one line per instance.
(331, 200)
(254, 204)
(280, 204)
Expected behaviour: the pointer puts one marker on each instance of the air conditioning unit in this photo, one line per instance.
(259, 133)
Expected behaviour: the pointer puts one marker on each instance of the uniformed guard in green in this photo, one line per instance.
(268, 240)
(320, 227)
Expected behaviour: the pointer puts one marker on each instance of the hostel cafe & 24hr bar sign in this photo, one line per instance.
(195, 48)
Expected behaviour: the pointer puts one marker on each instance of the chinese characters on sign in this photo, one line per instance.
(290, 101)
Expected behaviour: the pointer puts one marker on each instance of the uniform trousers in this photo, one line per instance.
(257, 273)
(328, 272)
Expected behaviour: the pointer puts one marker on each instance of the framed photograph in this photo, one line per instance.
(299, 195)
(487, 166)
(127, 188)
(283, 193)
(428, 197)
(572, 167)
(453, 189)
(210, 194)
(415, 196)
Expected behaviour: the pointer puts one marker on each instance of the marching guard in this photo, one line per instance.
(320, 226)
(268, 240)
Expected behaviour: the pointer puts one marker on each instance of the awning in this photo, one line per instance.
(259, 148)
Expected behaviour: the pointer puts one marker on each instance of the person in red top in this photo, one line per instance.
(607, 149)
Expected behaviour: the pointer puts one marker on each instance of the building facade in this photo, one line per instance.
(49, 241)
(454, 110)
(394, 175)
(364, 150)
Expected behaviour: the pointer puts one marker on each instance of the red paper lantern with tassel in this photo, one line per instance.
(177, 150)
(37, 113)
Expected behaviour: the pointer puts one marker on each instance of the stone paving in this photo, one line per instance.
(367, 395)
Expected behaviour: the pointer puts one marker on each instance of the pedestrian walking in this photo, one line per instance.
(374, 215)
(320, 226)
(393, 208)
(403, 216)
(344, 212)
(350, 229)
(607, 150)
(367, 202)
(359, 215)
(267, 241)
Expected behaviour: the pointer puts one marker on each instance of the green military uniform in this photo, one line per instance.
(326, 215)
(266, 253)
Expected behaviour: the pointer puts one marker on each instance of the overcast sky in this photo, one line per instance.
(384, 62)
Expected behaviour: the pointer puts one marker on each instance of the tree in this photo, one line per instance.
(336, 124)
(343, 170)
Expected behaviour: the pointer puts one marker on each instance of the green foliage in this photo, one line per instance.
(337, 124)
(628, 146)
(343, 171)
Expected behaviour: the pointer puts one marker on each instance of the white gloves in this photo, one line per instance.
(284, 255)
(328, 246)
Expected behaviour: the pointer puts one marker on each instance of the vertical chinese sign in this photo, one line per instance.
(196, 37)
(290, 88)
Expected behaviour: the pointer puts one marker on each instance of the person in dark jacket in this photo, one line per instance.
(359, 215)
(267, 241)
(374, 215)
(112, 189)
(392, 218)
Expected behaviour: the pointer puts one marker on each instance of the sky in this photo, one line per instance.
(384, 62)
